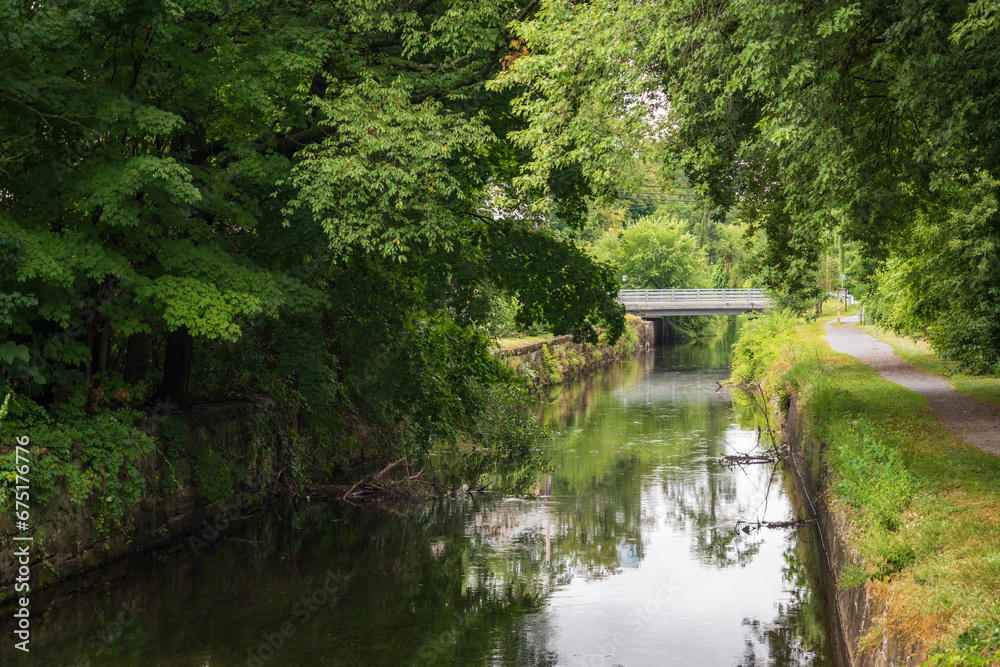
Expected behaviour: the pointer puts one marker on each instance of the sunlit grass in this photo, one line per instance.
(936, 563)
(506, 343)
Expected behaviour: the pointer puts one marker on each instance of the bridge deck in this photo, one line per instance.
(669, 303)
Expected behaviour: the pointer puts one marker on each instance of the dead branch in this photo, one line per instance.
(747, 526)
(773, 455)
(381, 485)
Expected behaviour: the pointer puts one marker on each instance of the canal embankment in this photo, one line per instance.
(209, 466)
(544, 362)
(909, 511)
(620, 547)
(212, 464)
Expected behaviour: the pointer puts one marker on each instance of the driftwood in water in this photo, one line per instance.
(772, 455)
(747, 526)
(381, 486)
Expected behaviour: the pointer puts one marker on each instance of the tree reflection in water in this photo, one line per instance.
(548, 570)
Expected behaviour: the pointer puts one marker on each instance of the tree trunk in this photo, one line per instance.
(102, 344)
(177, 367)
(98, 340)
(137, 357)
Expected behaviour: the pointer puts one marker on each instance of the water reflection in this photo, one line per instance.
(621, 551)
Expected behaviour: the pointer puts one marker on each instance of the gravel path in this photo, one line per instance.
(971, 420)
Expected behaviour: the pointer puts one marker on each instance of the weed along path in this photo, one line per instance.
(971, 420)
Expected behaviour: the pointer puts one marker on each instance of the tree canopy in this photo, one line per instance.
(655, 252)
(257, 189)
(868, 118)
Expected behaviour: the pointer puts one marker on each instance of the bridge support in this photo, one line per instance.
(657, 324)
(663, 333)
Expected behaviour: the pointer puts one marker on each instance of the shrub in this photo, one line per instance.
(96, 459)
(762, 342)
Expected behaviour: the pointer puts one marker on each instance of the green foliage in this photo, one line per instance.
(978, 646)
(763, 341)
(551, 366)
(505, 442)
(294, 198)
(918, 500)
(392, 192)
(654, 252)
(50, 456)
(805, 118)
(111, 451)
(214, 476)
(629, 342)
(95, 459)
(876, 485)
(498, 318)
(556, 282)
(174, 433)
(783, 256)
(944, 284)
(562, 361)
(659, 252)
(869, 455)
(573, 90)
(730, 259)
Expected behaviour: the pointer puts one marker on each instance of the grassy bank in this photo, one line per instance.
(923, 506)
(517, 341)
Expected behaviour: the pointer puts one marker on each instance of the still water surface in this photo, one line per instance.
(623, 551)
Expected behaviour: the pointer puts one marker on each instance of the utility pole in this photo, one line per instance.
(840, 242)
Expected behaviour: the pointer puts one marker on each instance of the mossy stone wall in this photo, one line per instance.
(188, 481)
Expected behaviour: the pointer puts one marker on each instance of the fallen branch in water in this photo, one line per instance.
(757, 525)
(380, 484)
(773, 455)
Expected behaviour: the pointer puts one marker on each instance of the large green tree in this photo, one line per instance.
(805, 115)
(179, 176)
(655, 252)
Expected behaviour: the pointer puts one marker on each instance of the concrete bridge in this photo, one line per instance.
(673, 302)
(657, 304)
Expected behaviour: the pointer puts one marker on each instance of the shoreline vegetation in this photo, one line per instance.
(546, 361)
(921, 506)
(195, 461)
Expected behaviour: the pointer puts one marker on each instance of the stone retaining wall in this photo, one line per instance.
(69, 540)
(550, 362)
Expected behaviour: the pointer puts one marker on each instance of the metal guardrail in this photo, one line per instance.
(688, 296)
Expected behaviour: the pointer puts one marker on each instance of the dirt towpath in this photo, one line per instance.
(975, 422)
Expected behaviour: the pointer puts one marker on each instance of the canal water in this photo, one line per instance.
(622, 549)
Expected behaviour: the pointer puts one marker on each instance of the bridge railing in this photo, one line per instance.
(659, 296)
